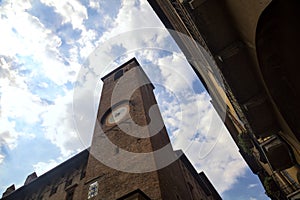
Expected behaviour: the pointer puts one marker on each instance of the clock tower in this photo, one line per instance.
(130, 158)
(131, 152)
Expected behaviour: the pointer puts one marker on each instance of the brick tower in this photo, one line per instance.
(129, 128)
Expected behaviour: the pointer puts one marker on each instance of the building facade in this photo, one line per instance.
(105, 171)
(253, 45)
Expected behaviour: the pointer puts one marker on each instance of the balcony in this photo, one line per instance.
(277, 153)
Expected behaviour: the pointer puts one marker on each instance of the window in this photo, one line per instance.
(82, 175)
(117, 150)
(191, 190)
(93, 190)
(68, 182)
(70, 194)
(118, 74)
(53, 190)
(190, 187)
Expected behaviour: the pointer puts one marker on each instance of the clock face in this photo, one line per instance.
(117, 114)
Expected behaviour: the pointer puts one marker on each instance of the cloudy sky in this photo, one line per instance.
(52, 56)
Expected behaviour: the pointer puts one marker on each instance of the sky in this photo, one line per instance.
(52, 56)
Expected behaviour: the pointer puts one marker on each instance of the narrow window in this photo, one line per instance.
(93, 190)
(191, 190)
(118, 74)
(82, 175)
(53, 190)
(68, 182)
(116, 150)
(190, 187)
(70, 194)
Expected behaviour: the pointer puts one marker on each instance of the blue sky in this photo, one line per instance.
(50, 70)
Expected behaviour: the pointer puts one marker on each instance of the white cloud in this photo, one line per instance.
(58, 126)
(27, 42)
(252, 185)
(1, 158)
(15, 103)
(131, 17)
(94, 4)
(19, 103)
(42, 167)
(8, 134)
(213, 150)
(24, 35)
(210, 147)
(86, 43)
(71, 11)
(178, 75)
(253, 198)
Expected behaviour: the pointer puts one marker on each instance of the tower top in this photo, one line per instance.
(139, 75)
(132, 60)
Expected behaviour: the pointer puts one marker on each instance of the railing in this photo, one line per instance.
(188, 22)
